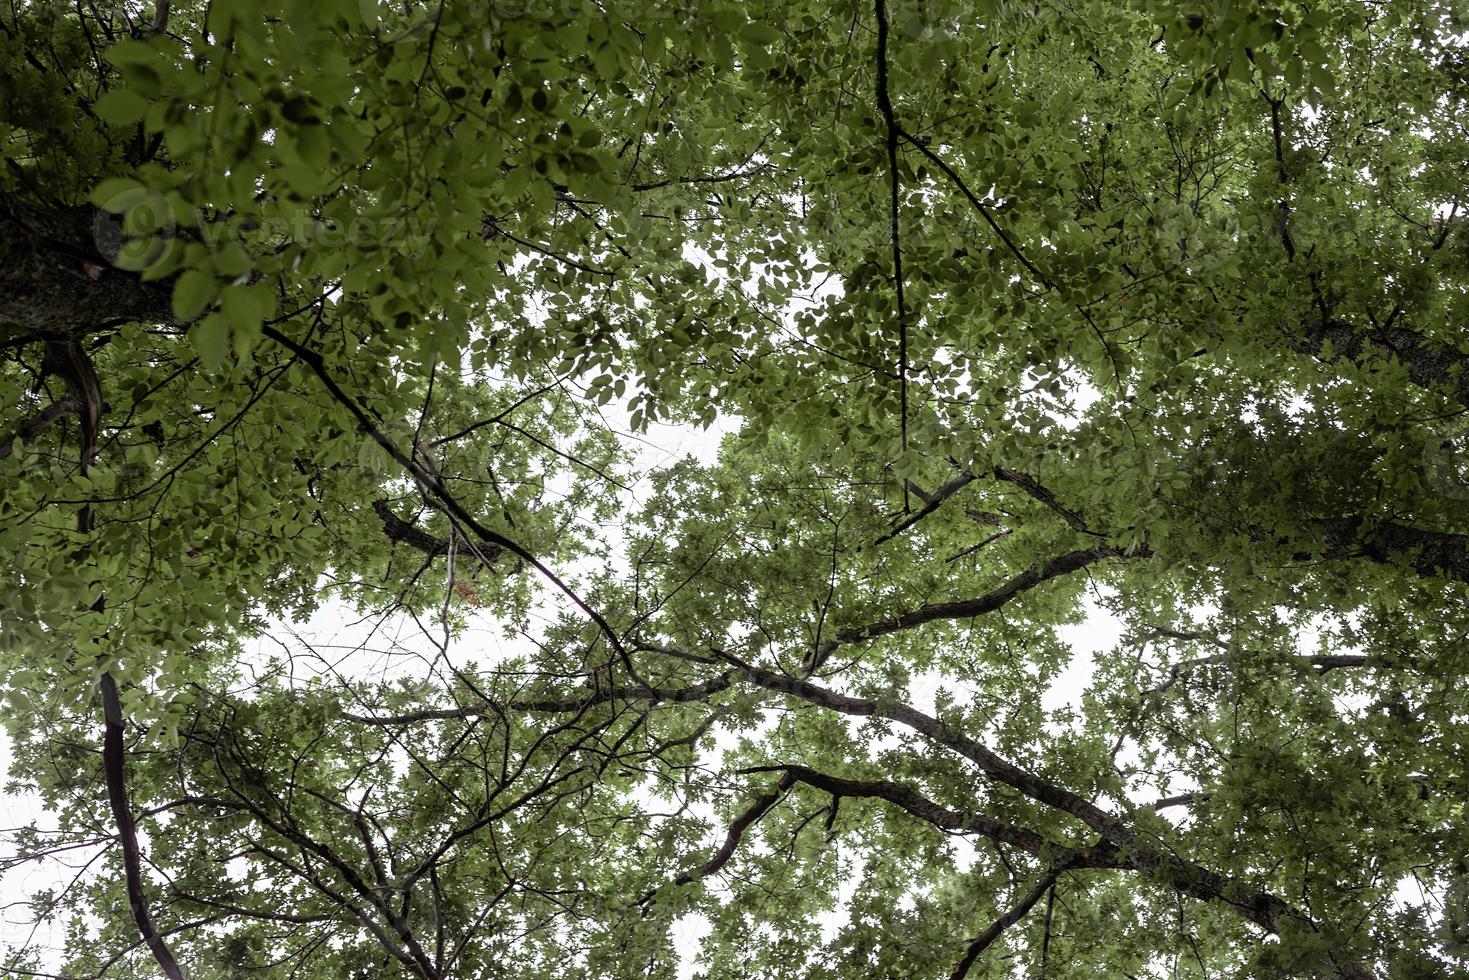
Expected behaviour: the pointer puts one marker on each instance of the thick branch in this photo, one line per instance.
(160, 19)
(1430, 363)
(990, 763)
(1121, 847)
(1429, 553)
(69, 360)
(127, 832)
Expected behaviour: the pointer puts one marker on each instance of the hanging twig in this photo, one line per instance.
(732, 839)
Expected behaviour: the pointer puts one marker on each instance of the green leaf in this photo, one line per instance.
(192, 294)
(122, 107)
(211, 339)
(115, 194)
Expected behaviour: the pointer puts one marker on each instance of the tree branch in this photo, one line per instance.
(885, 106)
(452, 507)
(1323, 663)
(1182, 799)
(969, 608)
(1429, 553)
(127, 832)
(160, 19)
(945, 819)
(1155, 862)
(978, 205)
(987, 938)
(1033, 487)
(1109, 826)
(931, 503)
(57, 278)
(405, 532)
(1429, 363)
(36, 424)
(632, 692)
(732, 838)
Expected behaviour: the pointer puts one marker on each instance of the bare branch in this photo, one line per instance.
(987, 938)
(36, 424)
(969, 608)
(127, 832)
(732, 838)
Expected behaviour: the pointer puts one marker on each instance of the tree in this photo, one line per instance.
(1027, 311)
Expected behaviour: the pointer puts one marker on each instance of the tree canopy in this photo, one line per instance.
(1030, 316)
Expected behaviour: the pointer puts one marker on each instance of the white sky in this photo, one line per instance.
(341, 638)
(339, 635)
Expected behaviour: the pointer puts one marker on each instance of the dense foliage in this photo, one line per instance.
(1029, 313)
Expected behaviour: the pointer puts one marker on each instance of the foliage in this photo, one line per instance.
(1030, 315)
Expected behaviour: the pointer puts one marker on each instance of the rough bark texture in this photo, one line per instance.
(113, 756)
(1429, 553)
(1430, 363)
(57, 278)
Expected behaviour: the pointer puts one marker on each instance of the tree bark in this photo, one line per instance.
(127, 831)
(1430, 363)
(57, 278)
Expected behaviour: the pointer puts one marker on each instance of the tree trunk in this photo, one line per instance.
(57, 279)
